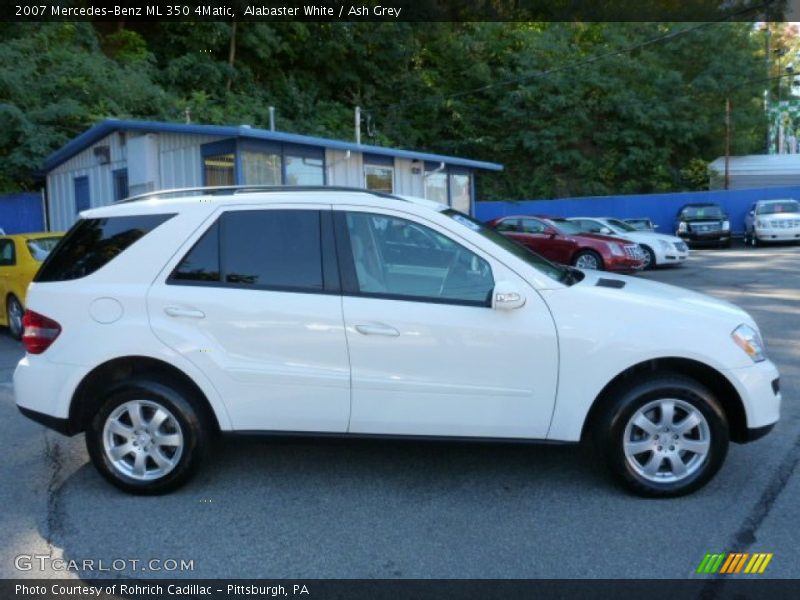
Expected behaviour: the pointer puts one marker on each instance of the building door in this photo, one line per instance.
(82, 200)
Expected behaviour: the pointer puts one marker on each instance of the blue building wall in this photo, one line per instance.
(660, 208)
(21, 212)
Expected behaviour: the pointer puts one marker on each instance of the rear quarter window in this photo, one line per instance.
(93, 243)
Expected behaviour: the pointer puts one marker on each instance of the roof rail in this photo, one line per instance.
(240, 189)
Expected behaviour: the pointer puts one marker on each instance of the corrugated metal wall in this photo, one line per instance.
(661, 208)
(22, 212)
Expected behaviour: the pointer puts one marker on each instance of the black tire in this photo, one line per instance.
(611, 430)
(651, 264)
(14, 326)
(589, 253)
(187, 418)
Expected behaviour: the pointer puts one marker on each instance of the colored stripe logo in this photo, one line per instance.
(734, 562)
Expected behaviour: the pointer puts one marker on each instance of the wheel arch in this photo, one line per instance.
(89, 393)
(708, 376)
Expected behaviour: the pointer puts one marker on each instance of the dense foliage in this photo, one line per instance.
(570, 109)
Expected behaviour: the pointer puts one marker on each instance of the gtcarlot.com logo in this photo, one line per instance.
(735, 562)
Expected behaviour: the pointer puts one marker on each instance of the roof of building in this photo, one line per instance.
(102, 129)
(760, 164)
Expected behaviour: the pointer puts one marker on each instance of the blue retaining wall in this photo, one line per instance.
(21, 212)
(660, 208)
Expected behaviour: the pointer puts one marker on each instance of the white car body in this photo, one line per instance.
(773, 221)
(532, 372)
(666, 249)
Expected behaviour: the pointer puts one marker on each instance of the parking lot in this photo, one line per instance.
(320, 509)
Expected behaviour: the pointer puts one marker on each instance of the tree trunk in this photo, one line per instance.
(231, 56)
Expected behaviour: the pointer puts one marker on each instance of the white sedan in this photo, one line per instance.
(659, 249)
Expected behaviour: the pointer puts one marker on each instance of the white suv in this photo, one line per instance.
(158, 322)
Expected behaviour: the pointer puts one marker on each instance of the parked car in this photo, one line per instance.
(642, 224)
(20, 257)
(564, 242)
(659, 249)
(772, 221)
(155, 324)
(703, 223)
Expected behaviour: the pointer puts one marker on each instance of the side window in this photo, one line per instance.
(7, 255)
(532, 226)
(397, 258)
(261, 249)
(508, 225)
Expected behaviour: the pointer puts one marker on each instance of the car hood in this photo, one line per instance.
(660, 298)
(643, 237)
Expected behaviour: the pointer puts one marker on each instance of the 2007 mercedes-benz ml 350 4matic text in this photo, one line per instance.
(158, 322)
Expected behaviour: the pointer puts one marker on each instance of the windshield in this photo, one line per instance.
(778, 207)
(702, 212)
(538, 262)
(41, 247)
(617, 224)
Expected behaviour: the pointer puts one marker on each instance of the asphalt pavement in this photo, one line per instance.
(322, 509)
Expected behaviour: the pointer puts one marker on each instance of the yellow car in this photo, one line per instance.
(21, 255)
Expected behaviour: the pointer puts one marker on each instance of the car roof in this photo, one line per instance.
(699, 204)
(181, 199)
(773, 200)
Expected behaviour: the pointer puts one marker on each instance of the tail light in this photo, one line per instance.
(39, 332)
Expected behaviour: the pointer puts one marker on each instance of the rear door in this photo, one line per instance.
(254, 302)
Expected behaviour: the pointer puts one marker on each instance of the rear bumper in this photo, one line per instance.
(45, 388)
(55, 423)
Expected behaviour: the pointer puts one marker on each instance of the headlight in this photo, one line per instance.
(681, 227)
(726, 225)
(759, 223)
(664, 245)
(749, 340)
(616, 250)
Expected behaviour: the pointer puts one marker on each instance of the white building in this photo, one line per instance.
(116, 158)
(756, 171)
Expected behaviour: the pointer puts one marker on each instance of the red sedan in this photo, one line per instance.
(563, 242)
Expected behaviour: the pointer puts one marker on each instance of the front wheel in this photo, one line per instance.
(147, 437)
(649, 258)
(662, 436)
(588, 259)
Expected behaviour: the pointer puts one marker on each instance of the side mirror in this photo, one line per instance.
(752, 213)
(605, 230)
(550, 232)
(507, 296)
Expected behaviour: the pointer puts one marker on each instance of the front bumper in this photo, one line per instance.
(712, 237)
(759, 388)
(764, 234)
(623, 264)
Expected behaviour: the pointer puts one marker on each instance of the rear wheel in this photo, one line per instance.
(588, 259)
(663, 435)
(14, 312)
(147, 437)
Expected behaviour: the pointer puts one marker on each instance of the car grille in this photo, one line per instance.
(785, 223)
(705, 227)
(634, 251)
(680, 246)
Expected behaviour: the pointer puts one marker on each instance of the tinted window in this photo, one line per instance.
(508, 225)
(92, 243)
(41, 247)
(700, 212)
(265, 249)
(532, 226)
(396, 257)
(202, 261)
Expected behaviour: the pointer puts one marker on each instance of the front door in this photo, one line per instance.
(428, 354)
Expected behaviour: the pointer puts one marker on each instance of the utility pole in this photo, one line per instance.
(727, 142)
(358, 125)
(768, 59)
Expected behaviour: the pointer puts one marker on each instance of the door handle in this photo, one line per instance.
(177, 311)
(377, 329)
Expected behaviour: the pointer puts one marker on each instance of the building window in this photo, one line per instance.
(379, 173)
(82, 200)
(303, 170)
(461, 192)
(260, 168)
(120, 177)
(219, 169)
(436, 185)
